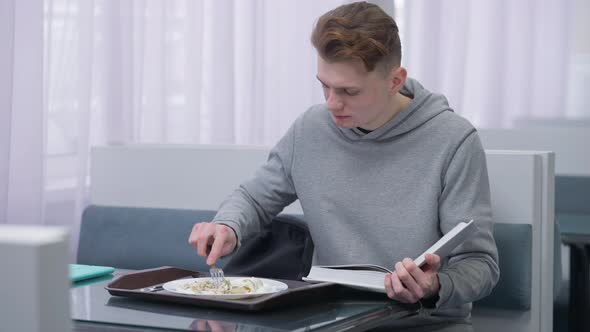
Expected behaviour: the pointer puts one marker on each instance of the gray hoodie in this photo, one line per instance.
(380, 197)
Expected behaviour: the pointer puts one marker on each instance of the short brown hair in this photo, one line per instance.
(358, 31)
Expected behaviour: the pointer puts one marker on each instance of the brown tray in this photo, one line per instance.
(131, 285)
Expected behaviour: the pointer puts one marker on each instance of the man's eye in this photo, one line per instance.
(351, 93)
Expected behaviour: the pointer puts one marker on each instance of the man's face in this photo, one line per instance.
(355, 97)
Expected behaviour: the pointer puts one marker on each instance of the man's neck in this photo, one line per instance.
(399, 102)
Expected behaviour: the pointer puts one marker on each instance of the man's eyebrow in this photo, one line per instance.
(340, 87)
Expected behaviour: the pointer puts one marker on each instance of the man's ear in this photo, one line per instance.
(398, 77)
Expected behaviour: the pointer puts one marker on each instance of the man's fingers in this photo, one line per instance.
(388, 287)
(200, 324)
(205, 237)
(214, 326)
(401, 293)
(412, 268)
(221, 237)
(408, 280)
(192, 238)
(212, 240)
(433, 261)
(196, 234)
(418, 275)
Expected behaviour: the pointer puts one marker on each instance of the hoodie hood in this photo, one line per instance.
(424, 106)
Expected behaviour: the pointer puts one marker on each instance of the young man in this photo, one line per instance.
(382, 170)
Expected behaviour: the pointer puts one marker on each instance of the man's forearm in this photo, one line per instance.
(466, 280)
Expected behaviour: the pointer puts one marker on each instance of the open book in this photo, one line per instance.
(371, 277)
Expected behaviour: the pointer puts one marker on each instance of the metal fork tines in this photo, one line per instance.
(216, 275)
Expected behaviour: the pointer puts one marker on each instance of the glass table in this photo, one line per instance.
(93, 309)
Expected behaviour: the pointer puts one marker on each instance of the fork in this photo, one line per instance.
(216, 275)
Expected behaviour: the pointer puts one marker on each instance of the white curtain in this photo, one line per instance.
(86, 73)
(22, 120)
(235, 72)
(497, 61)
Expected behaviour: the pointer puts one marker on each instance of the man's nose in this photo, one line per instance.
(332, 101)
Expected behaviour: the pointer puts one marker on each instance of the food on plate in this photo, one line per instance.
(235, 286)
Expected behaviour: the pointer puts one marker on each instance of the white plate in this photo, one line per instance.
(269, 286)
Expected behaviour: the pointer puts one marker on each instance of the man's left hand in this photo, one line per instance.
(409, 283)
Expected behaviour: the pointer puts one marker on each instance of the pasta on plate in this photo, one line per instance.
(234, 288)
(229, 286)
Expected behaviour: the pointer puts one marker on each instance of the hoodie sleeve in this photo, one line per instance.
(256, 201)
(471, 272)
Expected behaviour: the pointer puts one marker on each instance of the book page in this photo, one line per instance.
(371, 277)
(369, 280)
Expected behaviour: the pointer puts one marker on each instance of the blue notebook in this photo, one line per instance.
(82, 272)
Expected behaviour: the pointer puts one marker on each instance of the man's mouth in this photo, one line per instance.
(340, 117)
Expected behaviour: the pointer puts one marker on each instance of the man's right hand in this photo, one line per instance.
(212, 240)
